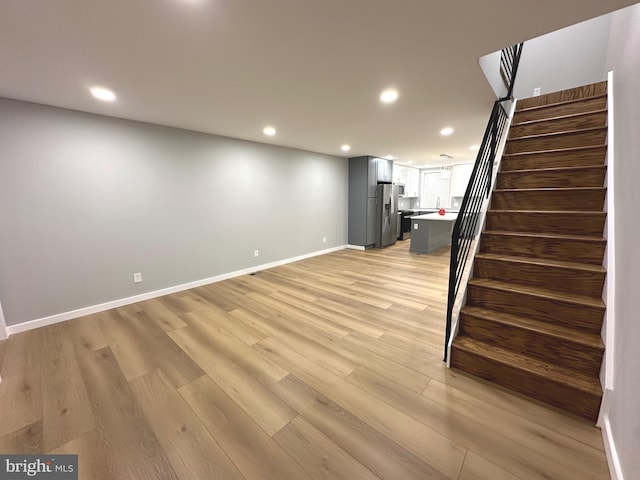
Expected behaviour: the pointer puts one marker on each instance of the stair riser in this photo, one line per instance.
(554, 142)
(577, 158)
(553, 111)
(547, 348)
(591, 224)
(587, 199)
(573, 400)
(564, 249)
(562, 279)
(591, 177)
(537, 308)
(566, 124)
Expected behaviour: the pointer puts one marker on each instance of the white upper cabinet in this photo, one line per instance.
(399, 174)
(412, 184)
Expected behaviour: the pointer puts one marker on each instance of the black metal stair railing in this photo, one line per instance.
(479, 188)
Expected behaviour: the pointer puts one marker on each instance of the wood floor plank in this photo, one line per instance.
(25, 441)
(556, 420)
(443, 454)
(477, 468)
(493, 438)
(141, 346)
(253, 397)
(301, 315)
(221, 317)
(96, 459)
(192, 451)
(351, 323)
(407, 377)
(3, 344)
(420, 363)
(253, 452)
(217, 337)
(311, 340)
(318, 455)
(20, 391)
(374, 450)
(159, 313)
(120, 422)
(87, 335)
(174, 303)
(67, 412)
(538, 438)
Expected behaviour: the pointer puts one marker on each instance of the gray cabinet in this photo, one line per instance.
(364, 175)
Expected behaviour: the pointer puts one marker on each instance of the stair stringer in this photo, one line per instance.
(461, 299)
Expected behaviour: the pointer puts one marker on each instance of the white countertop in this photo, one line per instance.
(449, 217)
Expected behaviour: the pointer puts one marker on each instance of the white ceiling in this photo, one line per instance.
(313, 69)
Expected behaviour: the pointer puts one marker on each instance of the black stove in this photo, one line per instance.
(405, 224)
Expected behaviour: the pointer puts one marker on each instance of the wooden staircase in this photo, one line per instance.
(534, 308)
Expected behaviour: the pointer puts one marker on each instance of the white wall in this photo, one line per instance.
(3, 326)
(86, 201)
(563, 59)
(623, 59)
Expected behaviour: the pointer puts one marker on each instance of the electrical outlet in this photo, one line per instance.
(415, 226)
(536, 92)
(256, 254)
(324, 239)
(137, 277)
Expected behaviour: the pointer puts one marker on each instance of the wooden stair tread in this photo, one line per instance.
(555, 150)
(557, 117)
(557, 104)
(544, 262)
(532, 366)
(577, 169)
(578, 300)
(557, 134)
(589, 340)
(552, 189)
(546, 235)
(552, 212)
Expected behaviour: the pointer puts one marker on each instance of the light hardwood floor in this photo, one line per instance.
(322, 369)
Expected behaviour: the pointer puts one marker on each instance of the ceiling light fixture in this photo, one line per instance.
(390, 95)
(103, 94)
(345, 147)
(474, 148)
(445, 165)
(389, 157)
(446, 131)
(269, 131)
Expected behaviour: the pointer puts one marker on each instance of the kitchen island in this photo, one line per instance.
(431, 231)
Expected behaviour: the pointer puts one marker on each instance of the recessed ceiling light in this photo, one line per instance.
(103, 94)
(446, 131)
(390, 95)
(410, 162)
(389, 157)
(269, 131)
(474, 148)
(345, 147)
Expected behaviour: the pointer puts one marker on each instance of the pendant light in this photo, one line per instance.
(445, 165)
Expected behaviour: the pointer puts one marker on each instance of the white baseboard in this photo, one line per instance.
(615, 469)
(355, 247)
(81, 312)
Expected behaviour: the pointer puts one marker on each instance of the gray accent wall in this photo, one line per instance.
(88, 200)
(624, 60)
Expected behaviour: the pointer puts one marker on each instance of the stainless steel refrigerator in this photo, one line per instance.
(386, 214)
